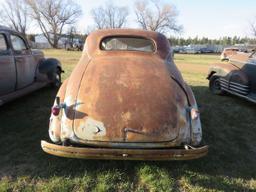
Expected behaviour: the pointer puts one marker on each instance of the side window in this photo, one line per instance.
(18, 43)
(3, 44)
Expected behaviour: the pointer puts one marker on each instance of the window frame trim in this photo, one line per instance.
(7, 51)
(19, 52)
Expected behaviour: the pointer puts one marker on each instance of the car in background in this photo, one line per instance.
(182, 49)
(176, 49)
(23, 70)
(75, 45)
(127, 100)
(192, 50)
(236, 77)
(228, 52)
(206, 50)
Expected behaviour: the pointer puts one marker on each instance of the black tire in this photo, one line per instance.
(214, 85)
(56, 78)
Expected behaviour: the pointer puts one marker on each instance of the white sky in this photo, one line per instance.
(202, 18)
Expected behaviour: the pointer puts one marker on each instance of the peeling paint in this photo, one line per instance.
(90, 129)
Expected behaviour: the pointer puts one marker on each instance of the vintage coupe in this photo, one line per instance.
(23, 70)
(125, 99)
(236, 77)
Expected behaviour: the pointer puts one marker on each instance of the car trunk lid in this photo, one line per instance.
(127, 99)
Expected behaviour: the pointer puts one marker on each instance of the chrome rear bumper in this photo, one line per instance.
(124, 154)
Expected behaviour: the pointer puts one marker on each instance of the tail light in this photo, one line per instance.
(56, 108)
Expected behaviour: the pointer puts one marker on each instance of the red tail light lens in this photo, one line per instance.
(55, 110)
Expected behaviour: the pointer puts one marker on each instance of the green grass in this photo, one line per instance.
(229, 127)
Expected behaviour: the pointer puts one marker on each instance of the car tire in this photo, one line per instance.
(56, 79)
(214, 85)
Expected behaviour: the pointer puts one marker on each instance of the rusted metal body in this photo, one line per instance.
(236, 77)
(228, 52)
(125, 99)
(20, 67)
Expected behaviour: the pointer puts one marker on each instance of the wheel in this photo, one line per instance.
(57, 78)
(215, 85)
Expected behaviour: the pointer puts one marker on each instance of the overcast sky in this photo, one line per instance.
(202, 18)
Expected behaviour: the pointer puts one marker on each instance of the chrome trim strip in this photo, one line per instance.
(238, 91)
(240, 88)
(224, 84)
(238, 84)
(234, 89)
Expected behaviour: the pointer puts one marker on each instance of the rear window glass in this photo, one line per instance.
(127, 44)
(229, 49)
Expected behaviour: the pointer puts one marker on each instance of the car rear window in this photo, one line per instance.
(230, 49)
(127, 44)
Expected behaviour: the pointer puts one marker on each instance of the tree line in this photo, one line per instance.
(204, 40)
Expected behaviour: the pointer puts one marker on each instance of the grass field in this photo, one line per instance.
(229, 127)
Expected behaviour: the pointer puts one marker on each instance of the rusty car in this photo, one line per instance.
(228, 52)
(236, 77)
(125, 100)
(23, 70)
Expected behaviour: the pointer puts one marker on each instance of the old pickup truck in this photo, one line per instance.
(127, 100)
(23, 70)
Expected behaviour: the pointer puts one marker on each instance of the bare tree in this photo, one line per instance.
(71, 33)
(253, 28)
(53, 15)
(156, 17)
(14, 14)
(110, 16)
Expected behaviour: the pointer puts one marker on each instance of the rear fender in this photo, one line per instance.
(220, 69)
(49, 67)
(229, 72)
(195, 128)
(55, 121)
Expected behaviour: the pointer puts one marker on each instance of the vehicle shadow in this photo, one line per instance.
(228, 128)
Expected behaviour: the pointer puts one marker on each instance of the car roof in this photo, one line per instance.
(4, 28)
(94, 39)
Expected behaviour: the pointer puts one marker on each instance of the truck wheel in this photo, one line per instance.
(57, 79)
(215, 86)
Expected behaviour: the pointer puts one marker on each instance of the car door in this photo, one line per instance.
(7, 67)
(24, 61)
